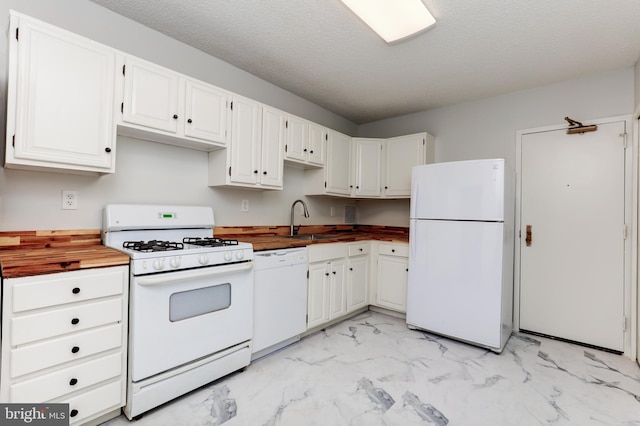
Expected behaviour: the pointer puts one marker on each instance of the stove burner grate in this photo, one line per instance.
(209, 242)
(152, 246)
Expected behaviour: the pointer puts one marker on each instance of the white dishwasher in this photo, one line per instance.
(279, 299)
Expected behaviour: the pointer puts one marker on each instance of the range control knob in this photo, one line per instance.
(174, 262)
(158, 264)
(240, 255)
(228, 256)
(203, 259)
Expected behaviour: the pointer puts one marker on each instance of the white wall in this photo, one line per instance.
(487, 128)
(148, 172)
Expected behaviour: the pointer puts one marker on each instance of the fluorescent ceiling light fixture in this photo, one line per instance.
(392, 19)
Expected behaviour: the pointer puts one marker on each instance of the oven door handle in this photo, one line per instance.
(208, 272)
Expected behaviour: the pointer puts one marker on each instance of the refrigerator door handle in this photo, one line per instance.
(528, 238)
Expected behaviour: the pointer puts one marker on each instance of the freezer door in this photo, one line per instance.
(459, 190)
(455, 280)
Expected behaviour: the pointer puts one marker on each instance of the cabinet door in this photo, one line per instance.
(318, 295)
(402, 153)
(392, 282)
(315, 149)
(357, 283)
(367, 167)
(63, 101)
(337, 292)
(297, 139)
(245, 141)
(150, 96)
(205, 112)
(338, 164)
(272, 148)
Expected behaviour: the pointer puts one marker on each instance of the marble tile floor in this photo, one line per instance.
(372, 370)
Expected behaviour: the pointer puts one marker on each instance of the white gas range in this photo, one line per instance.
(184, 331)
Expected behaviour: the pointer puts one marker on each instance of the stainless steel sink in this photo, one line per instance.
(312, 237)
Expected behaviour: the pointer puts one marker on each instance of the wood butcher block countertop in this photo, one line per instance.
(277, 237)
(27, 253)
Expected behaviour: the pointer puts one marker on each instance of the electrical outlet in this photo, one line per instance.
(69, 200)
(244, 206)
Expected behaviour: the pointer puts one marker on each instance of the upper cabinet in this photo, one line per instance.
(401, 154)
(254, 157)
(335, 177)
(304, 142)
(60, 100)
(367, 167)
(162, 105)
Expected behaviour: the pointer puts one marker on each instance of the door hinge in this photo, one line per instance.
(13, 141)
(17, 31)
(307, 274)
(123, 68)
(229, 170)
(624, 140)
(286, 124)
(231, 106)
(624, 232)
(325, 183)
(520, 233)
(424, 141)
(285, 148)
(122, 107)
(326, 136)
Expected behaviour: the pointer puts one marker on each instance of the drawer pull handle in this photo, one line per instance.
(75, 321)
(75, 349)
(73, 413)
(73, 382)
(75, 290)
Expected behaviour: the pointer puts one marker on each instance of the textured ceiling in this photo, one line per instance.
(320, 51)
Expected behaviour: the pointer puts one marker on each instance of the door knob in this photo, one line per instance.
(528, 238)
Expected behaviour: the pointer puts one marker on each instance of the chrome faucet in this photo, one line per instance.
(306, 214)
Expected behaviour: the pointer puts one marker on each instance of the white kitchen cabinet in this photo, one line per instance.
(335, 177)
(254, 157)
(59, 100)
(317, 295)
(400, 155)
(327, 283)
(358, 276)
(304, 144)
(162, 105)
(367, 167)
(392, 276)
(64, 340)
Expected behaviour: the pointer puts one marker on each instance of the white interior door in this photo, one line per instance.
(573, 203)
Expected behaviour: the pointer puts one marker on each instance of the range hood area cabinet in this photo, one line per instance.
(254, 155)
(59, 100)
(161, 105)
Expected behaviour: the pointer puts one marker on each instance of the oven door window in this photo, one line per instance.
(200, 301)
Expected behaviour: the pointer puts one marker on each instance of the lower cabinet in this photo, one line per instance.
(326, 292)
(391, 276)
(64, 340)
(358, 264)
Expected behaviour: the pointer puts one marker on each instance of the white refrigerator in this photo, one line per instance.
(461, 239)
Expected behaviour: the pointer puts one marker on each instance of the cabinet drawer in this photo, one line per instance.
(394, 249)
(29, 328)
(54, 385)
(66, 287)
(94, 401)
(37, 356)
(327, 251)
(358, 249)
